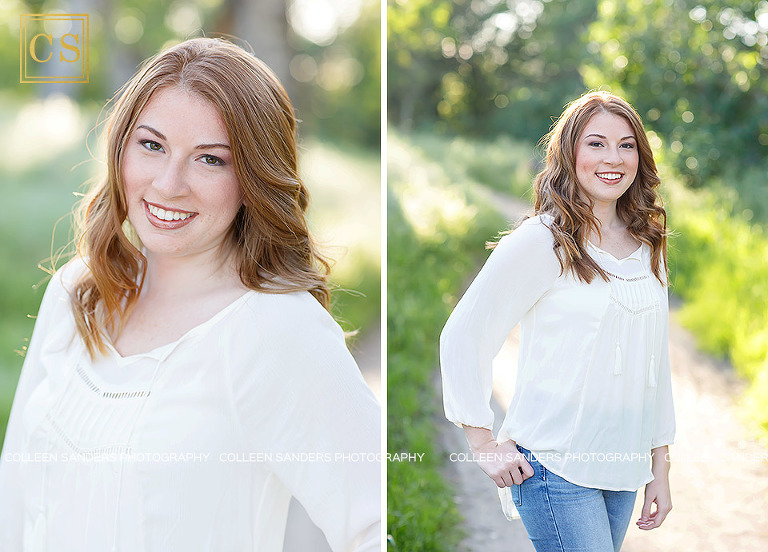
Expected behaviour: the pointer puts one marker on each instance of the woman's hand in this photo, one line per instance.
(502, 462)
(657, 492)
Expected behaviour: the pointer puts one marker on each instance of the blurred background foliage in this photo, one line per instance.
(473, 85)
(694, 69)
(326, 52)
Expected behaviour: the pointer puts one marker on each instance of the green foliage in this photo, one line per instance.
(696, 70)
(719, 267)
(476, 67)
(499, 163)
(437, 229)
(342, 91)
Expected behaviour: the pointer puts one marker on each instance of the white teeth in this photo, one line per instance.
(609, 176)
(162, 214)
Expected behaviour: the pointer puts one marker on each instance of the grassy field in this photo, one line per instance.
(41, 170)
(437, 228)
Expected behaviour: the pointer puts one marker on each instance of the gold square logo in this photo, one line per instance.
(54, 48)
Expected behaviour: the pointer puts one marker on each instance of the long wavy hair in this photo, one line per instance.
(556, 190)
(273, 249)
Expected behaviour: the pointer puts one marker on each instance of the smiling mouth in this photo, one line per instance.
(167, 219)
(610, 177)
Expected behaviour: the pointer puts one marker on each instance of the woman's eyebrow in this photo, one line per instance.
(604, 138)
(201, 146)
(153, 131)
(209, 146)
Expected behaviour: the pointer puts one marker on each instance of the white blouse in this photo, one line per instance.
(197, 445)
(593, 393)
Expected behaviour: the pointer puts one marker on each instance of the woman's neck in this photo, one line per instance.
(607, 216)
(188, 276)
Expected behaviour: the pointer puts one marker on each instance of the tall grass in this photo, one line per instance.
(437, 228)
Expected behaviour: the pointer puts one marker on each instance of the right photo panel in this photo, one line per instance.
(577, 257)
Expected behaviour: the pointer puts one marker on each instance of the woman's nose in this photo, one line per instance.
(171, 180)
(612, 156)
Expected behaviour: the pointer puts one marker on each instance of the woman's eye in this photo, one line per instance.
(596, 144)
(151, 145)
(628, 146)
(212, 160)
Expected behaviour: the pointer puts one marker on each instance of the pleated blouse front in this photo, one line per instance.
(593, 392)
(196, 445)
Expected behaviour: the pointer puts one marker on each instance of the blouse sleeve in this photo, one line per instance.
(318, 405)
(54, 301)
(520, 270)
(664, 413)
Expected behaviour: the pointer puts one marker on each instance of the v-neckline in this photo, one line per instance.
(633, 255)
(161, 350)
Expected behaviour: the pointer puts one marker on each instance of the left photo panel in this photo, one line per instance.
(190, 276)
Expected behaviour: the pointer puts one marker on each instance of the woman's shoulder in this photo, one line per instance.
(532, 232)
(294, 311)
(539, 223)
(66, 277)
(63, 280)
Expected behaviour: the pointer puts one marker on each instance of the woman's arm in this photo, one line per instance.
(305, 394)
(52, 309)
(517, 274)
(657, 491)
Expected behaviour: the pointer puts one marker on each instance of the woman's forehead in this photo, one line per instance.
(605, 124)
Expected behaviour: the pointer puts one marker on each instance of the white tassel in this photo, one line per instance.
(652, 372)
(617, 361)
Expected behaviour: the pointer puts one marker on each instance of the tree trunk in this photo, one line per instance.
(264, 25)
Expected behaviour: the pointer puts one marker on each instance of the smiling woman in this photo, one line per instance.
(592, 416)
(185, 378)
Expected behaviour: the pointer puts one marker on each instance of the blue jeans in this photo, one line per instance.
(562, 517)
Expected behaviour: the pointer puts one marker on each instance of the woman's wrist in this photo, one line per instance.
(477, 437)
(660, 461)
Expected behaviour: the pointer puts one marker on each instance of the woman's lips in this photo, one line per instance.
(610, 178)
(163, 224)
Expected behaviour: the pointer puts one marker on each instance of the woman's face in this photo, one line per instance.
(606, 158)
(179, 178)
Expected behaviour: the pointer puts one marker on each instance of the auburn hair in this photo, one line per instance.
(556, 190)
(273, 249)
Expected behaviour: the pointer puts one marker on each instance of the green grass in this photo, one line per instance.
(500, 163)
(719, 266)
(437, 228)
(37, 187)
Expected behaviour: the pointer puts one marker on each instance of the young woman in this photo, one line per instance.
(185, 378)
(586, 277)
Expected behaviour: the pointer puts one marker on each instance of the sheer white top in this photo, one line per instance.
(196, 445)
(593, 392)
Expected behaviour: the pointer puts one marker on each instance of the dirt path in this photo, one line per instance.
(719, 474)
